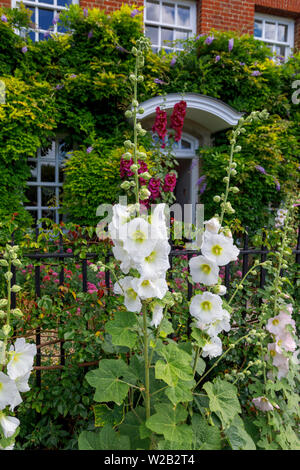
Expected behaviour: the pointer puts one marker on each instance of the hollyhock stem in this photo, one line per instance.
(135, 134)
(146, 357)
(4, 346)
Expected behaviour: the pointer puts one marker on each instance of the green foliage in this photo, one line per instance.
(91, 179)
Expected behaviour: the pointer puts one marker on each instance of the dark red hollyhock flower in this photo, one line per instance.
(125, 165)
(177, 118)
(170, 182)
(154, 188)
(160, 124)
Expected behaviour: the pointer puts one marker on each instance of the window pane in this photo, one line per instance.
(166, 35)
(152, 11)
(48, 153)
(181, 35)
(280, 51)
(282, 32)
(34, 216)
(64, 3)
(152, 33)
(31, 195)
(48, 173)
(49, 2)
(168, 13)
(32, 36)
(33, 171)
(185, 144)
(32, 18)
(45, 18)
(48, 196)
(48, 214)
(270, 30)
(258, 28)
(183, 16)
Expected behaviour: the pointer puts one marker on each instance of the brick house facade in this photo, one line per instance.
(223, 15)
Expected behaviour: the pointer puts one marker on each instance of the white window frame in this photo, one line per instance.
(36, 4)
(192, 29)
(39, 184)
(289, 22)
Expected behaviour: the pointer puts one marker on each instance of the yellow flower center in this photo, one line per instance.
(131, 293)
(205, 268)
(145, 283)
(16, 356)
(275, 322)
(151, 258)
(139, 236)
(273, 353)
(216, 250)
(279, 342)
(1, 386)
(206, 305)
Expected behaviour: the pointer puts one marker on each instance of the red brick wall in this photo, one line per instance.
(224, 15)
(5, 3)
(109, 5)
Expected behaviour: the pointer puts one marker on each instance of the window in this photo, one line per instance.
(44, 16)
(45, 185)
(277, 33)
(165, 22)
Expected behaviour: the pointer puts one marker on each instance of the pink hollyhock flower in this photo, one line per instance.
(239, 273)
(91, 288)
(276, 325)
(286, 341)
(56, 281)
(263, 404)
(69, 250)
(170, 182)
(279, 360)
(46, 278)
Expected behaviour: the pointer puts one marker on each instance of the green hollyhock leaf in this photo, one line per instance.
(198, 336)
(121, 329)
(176, 365)
(238, 437)
(132, 425)
(105, 415)
(107, 381)
(223, 400)
(181, 392)
(167, 421)
(166, 328)
(106, 439)
(206, 437)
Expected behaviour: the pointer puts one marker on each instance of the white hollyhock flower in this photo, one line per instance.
(220, 289)
(204, 270)
(22, 382)
(156, 263)
(121, 216)
(158, 221)
(212, 225)
(216, 326)
(9, 425)
(131, 299)
(22, 356)
(219, 248)
(147, 289)
(206, 307)
(157, 314)
(213, 347)
(11, 447)
(121, 255)
(9, 394)
(138, 238)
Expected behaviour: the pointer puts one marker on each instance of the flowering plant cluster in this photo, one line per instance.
(16, 363)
